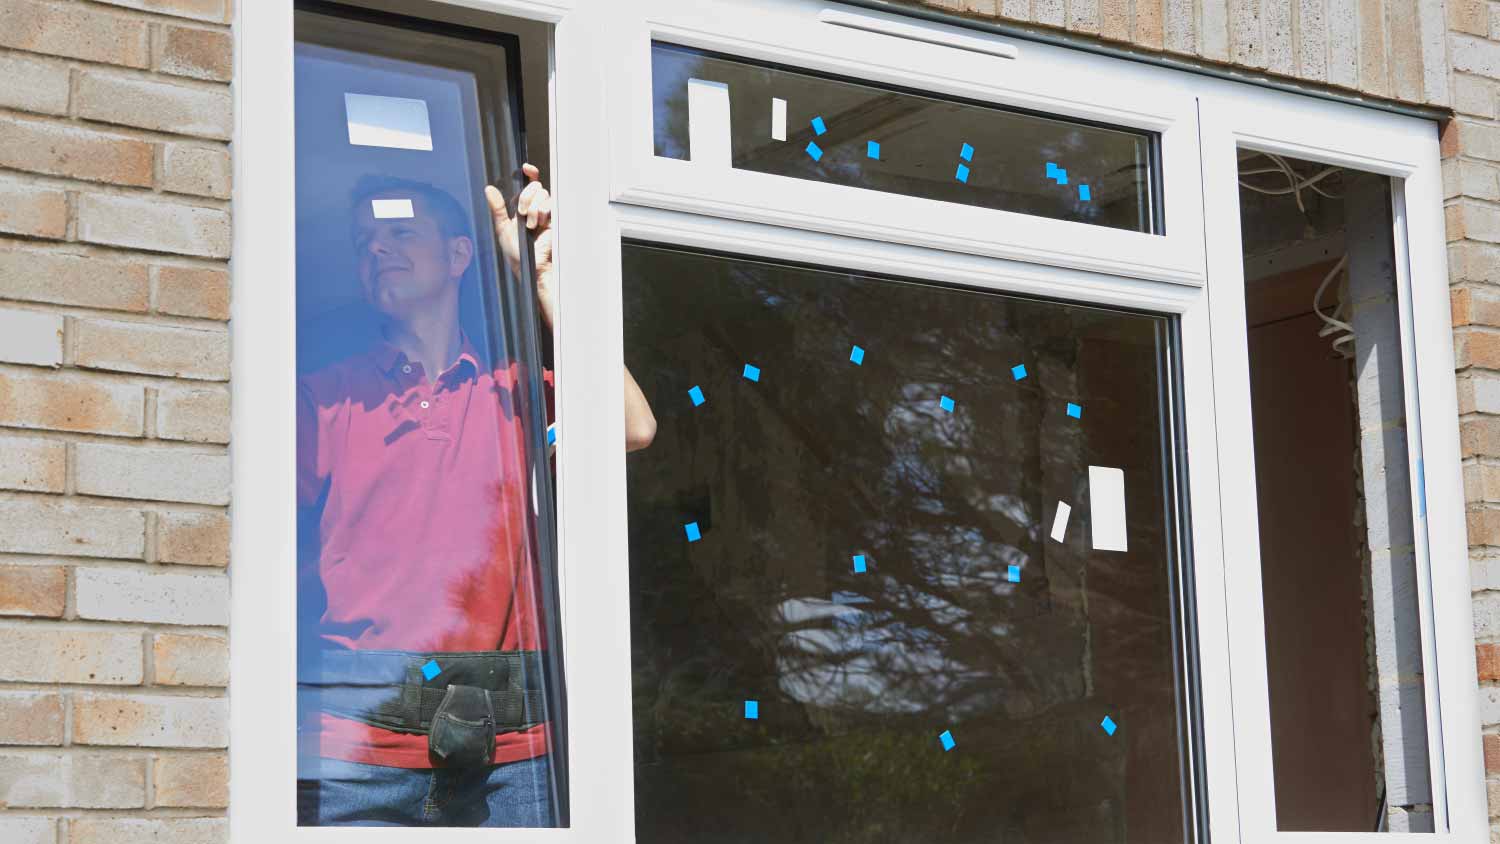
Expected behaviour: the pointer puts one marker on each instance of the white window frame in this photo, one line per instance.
(796, 33)
(1236, 116)
(608, 187)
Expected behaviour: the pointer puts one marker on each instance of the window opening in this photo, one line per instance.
(1339, 538)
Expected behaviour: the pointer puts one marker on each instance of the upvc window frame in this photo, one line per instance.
(610, 188)
(1235, 117)
(801, 35)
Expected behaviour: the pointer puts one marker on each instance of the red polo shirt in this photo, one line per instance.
(423, 542)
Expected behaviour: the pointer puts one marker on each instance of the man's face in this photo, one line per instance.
(407, 263)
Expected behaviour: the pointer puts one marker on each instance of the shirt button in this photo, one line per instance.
(426, 405)
(406, 369)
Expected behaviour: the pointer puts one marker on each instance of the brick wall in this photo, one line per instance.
(114, 418)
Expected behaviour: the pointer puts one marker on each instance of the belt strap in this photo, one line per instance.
(387, 689)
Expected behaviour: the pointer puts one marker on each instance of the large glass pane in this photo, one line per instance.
(1341, 530)
(903, 562)
(795, 123)
(429, 676)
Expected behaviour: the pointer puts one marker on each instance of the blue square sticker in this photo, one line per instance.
(946, 403)
(431, 669)
(1083, 193)
(1062, 177)
(859, 563)
(693, 534)
(872, 149)
(814, 150)
(752, 372)
(966, 153)
(1075, 411)
(696, 394)
(1013, 574)
(1018, 371)
(818, 126)
(962, 174)
(1109, 725)
(752, 710)
(552, 435)
(1051, 170)
(857, 356)
(947, 739)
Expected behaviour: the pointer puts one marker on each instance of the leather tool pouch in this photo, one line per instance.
(463, 728)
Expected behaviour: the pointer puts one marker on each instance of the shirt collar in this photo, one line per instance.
(389, 359)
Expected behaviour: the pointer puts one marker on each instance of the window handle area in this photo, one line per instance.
(927, 33)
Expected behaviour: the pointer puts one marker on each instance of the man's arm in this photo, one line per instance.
(535, 207)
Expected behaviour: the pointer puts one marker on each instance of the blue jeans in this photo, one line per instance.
(352, 794)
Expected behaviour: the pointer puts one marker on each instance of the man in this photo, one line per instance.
(419, 677)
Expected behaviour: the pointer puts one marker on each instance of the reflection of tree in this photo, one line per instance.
(857, 674)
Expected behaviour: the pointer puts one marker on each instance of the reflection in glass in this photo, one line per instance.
(794, 123)
(426, 671)
(873, 569)
(1341, 529)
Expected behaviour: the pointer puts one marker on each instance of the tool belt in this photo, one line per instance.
(473, 695)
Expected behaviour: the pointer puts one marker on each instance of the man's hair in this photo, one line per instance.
(451, 219)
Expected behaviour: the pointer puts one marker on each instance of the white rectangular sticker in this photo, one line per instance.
(778, 119)
(1107, 507)
(1060, 521)
(394, 122)
(708, 122)
(392, 209)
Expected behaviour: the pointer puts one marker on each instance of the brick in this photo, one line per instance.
(69, 279)
(31, 337)
(99, 830)
(74, 30)
(61, 149)
(155, 224)
(31, 718)
(50, 653)
(1488, 657)
(31, 210)
(1247, 45)
(1474, 261)
(1180, 32)
(196, 52)
(59, 402)
(41, 526)
(194, 539)
(1476, 348)
(1373, 69)
(29, 464)
(1479, 392)
(1148, 24)
(1213, 31)
(137, 720)
(1473, 95)
(1491, 753)
(1114, 20)
(151, 349)
(194, 415)
(192, 291)
(216, 11)
(84, 781)
(139, 594)
(1083, 16)
(203, 171)
(40, 591)
(34, 85)
(21, 830)
(190, 660)
(1476, 179)
(200, 110)
(1478, 221)
(153, 474)
(1474, 55)
(192, 781)
(1484, 525)
(1471, 16)
(1479, 140)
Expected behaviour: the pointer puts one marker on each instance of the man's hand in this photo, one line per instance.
(535, 207)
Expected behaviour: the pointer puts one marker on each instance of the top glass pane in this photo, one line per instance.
(794, 123)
